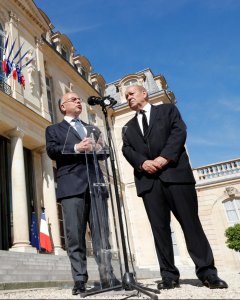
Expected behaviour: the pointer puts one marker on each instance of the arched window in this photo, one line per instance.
(232, 208)
(1, 52)
(131, 82)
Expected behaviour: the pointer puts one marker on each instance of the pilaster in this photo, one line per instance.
(19, 195)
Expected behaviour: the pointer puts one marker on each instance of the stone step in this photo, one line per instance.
(17, 268)
(32, 267)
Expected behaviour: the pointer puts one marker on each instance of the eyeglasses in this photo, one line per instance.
(73, 99)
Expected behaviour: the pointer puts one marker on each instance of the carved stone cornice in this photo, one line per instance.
(39, 42)
(4, 16)
(231, 191)
(13, 17)
(32, 12)
(16, 132)
(41, 149)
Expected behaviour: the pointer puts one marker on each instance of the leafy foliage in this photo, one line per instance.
(233, 237)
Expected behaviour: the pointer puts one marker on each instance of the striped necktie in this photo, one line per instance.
(144, 122)
(79, 128)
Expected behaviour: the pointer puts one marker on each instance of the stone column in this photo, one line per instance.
(50, 204)
(19, 195)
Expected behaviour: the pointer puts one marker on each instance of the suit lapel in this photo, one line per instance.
(136, 125)
(70, 130)
(89, 128)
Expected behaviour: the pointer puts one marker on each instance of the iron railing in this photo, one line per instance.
(5, 87)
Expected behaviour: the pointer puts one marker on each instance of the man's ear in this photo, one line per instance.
(60, 106)
(145, 94)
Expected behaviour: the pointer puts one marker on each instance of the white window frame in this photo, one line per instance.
(130, 82)
(235, 203)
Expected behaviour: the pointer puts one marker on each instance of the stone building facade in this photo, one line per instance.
(53, 68)
(27, 174)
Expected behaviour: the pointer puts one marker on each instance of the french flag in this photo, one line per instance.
(14, 72)
(4, 61)
(45, 240)
(4, 64)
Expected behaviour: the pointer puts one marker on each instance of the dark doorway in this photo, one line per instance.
(5, 196)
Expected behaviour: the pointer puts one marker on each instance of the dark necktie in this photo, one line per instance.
(144, 122)
(79, 128)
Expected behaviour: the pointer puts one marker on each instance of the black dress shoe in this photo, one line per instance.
(167, 283)
(79, 287)
(212, 281)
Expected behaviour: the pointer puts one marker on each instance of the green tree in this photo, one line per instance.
(233, 237)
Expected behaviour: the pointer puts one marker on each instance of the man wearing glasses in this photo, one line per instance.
(67, 143)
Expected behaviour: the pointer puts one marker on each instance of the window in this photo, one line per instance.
(65, 53)
(49, 97)
(84, 73)
(101, 91)
(130, 82)
(98, 88)
(232, 208)
(1, 52)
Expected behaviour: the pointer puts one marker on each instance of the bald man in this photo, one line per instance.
(66, 143)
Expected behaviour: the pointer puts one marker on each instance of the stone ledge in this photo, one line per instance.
(34, 284)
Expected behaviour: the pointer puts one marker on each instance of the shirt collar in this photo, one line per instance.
(69, 119)
(146, 108)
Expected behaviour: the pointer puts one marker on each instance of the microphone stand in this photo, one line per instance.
(128, 280)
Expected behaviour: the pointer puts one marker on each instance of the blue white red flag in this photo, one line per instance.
(45, 240)
(9, 66)
(4, 61)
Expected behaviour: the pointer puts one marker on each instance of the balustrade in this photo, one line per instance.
(227, 168)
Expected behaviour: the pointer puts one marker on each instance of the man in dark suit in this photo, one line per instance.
(153, 143)
(70, 144)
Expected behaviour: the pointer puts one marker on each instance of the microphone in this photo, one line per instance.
(92, 100)
(104, 101)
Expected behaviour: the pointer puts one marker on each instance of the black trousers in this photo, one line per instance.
(181, 199)
(79, 211)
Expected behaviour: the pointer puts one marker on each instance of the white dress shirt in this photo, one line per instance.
(147, 109)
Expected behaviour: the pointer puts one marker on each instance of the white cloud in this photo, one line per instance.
(202, 141)
(231, 103)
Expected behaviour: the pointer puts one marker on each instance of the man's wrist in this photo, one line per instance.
(140, 168)
(75, 149)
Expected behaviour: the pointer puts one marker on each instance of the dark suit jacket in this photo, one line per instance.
(166, 137)
(72, 168)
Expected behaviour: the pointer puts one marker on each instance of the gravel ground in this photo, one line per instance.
(191, 288)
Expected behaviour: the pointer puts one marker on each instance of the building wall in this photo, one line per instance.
(217, 184)
(25, 112)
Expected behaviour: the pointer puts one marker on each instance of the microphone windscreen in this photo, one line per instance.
(91, 100)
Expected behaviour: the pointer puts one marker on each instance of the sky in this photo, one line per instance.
(194, 44)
